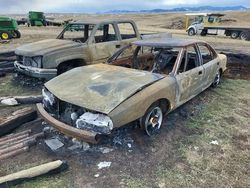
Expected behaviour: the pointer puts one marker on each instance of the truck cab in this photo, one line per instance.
(80, 43)
(201, 20)
(36, 19)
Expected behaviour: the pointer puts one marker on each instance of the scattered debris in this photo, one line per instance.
(4, 41)
(16, 119)
(122, 140)
(97, 175)
(8, 56)
(54, 144)
(9, 102)
(105, 150)
(129, 145)
(196, 148)
(44, 169)
(104, 164)
(6, 64)
(214, 142)
(21, 100)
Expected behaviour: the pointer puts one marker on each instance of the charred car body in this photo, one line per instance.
(161, 75)
(80, 43)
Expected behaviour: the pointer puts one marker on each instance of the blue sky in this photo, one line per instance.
(92, 6)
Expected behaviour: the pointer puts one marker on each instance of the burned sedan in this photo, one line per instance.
(161, 75)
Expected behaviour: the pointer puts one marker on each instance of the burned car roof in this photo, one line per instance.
(166, 42)
(105, 21)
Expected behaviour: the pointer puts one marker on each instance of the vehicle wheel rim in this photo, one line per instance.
(234, 35)
(191, 32)
(14, 35)
(153, 121)
(5, 36)
(217, 78)
(244, 37)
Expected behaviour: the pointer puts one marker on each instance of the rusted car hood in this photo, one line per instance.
(100, 87)
(45, 46)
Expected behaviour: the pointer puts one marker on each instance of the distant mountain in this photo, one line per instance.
(183, 9)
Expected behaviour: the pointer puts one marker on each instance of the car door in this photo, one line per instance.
(210, 62)
(104, 43)
(128, 32)
(189, 75)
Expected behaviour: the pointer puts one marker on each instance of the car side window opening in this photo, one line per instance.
(190, 60)
(77, 32)
(164, 60)
(127, 30)
(206, 54)
(105, 33)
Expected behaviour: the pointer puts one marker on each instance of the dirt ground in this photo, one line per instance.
(182, 155)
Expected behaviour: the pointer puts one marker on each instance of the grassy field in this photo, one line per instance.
(226, 119)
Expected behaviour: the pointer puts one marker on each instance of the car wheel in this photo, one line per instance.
(152, 120)
(245, 36)
(5, 35)
(16, 34)
(217, 79)
(191, 32)
(234, 35)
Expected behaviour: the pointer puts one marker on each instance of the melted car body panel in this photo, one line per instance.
(109, 85)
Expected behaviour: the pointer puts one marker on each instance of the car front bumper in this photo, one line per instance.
(68, 130)
(36, 72)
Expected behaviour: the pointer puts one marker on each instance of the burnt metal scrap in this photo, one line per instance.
(160, 75)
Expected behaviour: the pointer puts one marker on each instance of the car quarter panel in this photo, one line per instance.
(135, 107)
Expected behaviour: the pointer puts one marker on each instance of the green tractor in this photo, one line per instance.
(36, 19)
(8, 28)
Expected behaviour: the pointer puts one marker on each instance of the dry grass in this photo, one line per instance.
(226, 119)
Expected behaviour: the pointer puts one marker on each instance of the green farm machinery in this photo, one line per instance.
(8, 28)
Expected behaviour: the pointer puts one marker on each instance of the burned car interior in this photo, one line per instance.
(160, 60)
(152, 59)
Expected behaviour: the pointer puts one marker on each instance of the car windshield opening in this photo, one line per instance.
(77, 32)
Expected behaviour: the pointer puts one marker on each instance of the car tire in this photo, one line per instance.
(152, 120)
(191, 32)
(204, 32)
(16, 34)
(217, 79)
(245, 35)
(234, 35)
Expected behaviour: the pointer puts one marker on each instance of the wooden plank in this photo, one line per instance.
(16, 119)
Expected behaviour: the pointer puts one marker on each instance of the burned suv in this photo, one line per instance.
(80, 43)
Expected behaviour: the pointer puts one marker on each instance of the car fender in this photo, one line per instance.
(135, 106)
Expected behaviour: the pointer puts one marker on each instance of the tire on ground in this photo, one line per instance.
(234, 34)
(191, 32)
(245, 35)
